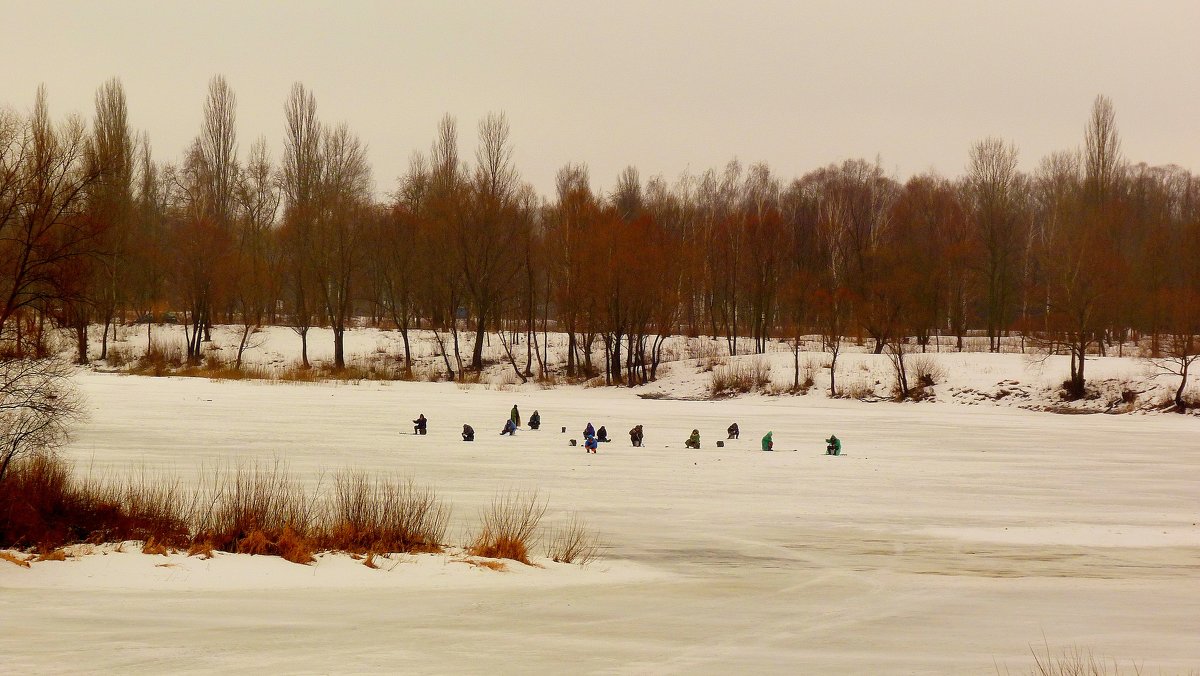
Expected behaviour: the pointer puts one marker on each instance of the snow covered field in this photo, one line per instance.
(947, 540)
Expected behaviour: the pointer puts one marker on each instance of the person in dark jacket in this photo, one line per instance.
(636, 436)
(733, 431)
(419, 424)
(602, 435)
(468, 433)
(694, 440)
(589, 431)
(515, 416)
(833, 445)
(535, 420)
(510, 428)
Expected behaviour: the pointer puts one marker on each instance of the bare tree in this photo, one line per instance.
(45, 240)
(110, 202)
(300, 178)
(488, 238)
(343, 213)
(38, 403)
(995, 190)
(255, 287)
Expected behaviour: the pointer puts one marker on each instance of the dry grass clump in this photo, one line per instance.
(14, 559)
(740, 377)
(1074, 661)
(926, 370)
(56, 555)
(163, 357)
(369, 515)
(252, 510)
(573, 542)
(118, 356)
(509, 527)
(859, 389)
(260, 509)
(153, 547)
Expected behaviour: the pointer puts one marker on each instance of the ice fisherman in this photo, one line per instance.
(510, 428)
(535, 420)
(602, 435)
(468, 433)
(694, 440)
(515, 416)
(589, 431)
(733, 431)
(768, 444)
(833, 445)
(636, 436)
(590, 445)
(419, 424)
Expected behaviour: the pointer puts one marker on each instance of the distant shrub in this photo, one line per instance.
(926, 370)
(740, 377)
(859, 389)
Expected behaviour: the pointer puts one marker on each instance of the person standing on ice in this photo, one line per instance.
(510, 428)
(535, 420)
(833, 445)
(768, 444)
(694, 440)
(419, 424)
(468, 433)
(589, 431)
(636, 436)
(733, 431)
(515, 416)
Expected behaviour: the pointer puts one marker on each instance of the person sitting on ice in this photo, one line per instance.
(733, 431)
(768, 444)
(636, 436)
(510, 428)
(535, 421)
(694, 440)
(419, 424)
(468, 433)
(515, 416)
(590, 445)
(602, 435)
(589, 431)
(833, 445)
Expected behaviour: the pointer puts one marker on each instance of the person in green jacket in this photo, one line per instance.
(694, 440)
(833, 445)
(768, 444)
(515, 416)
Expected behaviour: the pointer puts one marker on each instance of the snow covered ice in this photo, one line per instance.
(947, 539)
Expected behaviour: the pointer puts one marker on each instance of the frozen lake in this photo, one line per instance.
(946, 537)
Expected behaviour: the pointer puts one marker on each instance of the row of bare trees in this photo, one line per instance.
(1079, 256)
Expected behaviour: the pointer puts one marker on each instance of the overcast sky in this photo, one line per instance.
(663, 85)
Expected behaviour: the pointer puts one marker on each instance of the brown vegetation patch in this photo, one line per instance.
(508, 527)
(155, 548)
(14, 559)
(573, 542)
(56, 555)
(497, 566)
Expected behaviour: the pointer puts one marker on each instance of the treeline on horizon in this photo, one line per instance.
(1088, 251)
